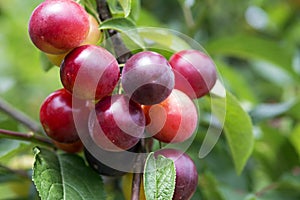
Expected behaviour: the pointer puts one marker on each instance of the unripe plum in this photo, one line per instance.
(56, 27)
(90, 72)
(147, 78)
(195, 72)
(186, 173)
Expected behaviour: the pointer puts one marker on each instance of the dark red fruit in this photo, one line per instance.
(117, 124)
(195, 73)
(56, 116)
(89, 72)
(186, 173)
(147, 78)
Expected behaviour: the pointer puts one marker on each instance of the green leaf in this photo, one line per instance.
(295, 138)
(238, 128)
(126, 6)
(135, 10)
(65, 176)
(125, 26)
(254, 48)
(210, 187)
(163, 39)
(120, 24)
(159, 178)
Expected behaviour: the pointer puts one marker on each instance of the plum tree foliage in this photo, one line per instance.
(241, 123)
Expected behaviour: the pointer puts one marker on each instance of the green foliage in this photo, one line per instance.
(259, 67)
(238, 129)
(64, 176)
(159, 178)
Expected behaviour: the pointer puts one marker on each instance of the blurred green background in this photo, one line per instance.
(256, 46)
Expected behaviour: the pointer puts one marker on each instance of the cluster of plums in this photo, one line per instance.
(150, 97)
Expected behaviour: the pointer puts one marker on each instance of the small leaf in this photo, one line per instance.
(159, 178)
(65, 176)
(126, 6)
(125, 26)
(238, 129)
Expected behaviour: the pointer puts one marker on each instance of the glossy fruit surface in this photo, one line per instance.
(56, 117)
(58, 26)
(195, 72)
(186, 173)
(117, 124)
(147, 78)
(89, 72)
(173, 120)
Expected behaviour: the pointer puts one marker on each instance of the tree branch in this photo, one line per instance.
(29, 137)
(19, 116)
(121, 51)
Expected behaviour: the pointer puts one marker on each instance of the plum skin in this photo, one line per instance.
(55, 27)
(173, 120)
(195, 72)
(90, 72)
(56, 117)
(147, 78)
(118, 123)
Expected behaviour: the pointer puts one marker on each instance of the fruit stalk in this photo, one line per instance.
(29, 137)
(19, 116)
